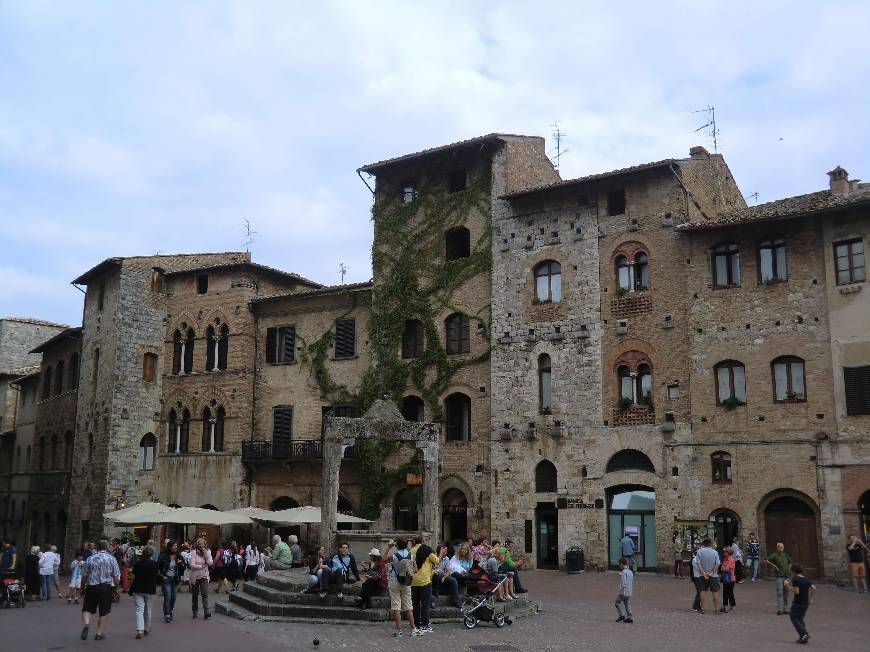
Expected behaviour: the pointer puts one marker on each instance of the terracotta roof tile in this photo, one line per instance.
(263, 268)
(319, 292)
(478, 140)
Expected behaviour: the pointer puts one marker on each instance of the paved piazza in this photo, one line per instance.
(578, 615)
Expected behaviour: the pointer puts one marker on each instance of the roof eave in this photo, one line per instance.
(97, 270)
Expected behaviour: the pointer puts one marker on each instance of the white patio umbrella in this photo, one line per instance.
(200, 516)
(309, 514)
(136, 513)
(253, 512)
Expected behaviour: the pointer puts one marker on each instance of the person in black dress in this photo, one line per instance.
(31, 573)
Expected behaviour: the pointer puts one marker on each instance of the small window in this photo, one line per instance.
(409, 192)
(849, 261)
(788, 380)
(673, 392)
(546, 477)
(616, 202)
(721, 463)
(101, 296)
(726, 266)
(626, 383)
(412, 408)
(147, 446)
(641, 271)
(456, 326)
(281, 344)
(457, 243)
(772, 261)
(345, 338)
(458, 180)
(548, 281)
(202, 283)
(149, 367)
(730, 383)
(457, 409)
(857, 385)
(412, 339)
(623, 274)
(545, 384)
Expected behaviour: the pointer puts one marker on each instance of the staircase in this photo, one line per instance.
(277, 595)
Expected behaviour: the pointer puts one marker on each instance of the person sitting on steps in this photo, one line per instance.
(341, 566)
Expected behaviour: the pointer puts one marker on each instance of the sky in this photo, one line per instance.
(131, 128)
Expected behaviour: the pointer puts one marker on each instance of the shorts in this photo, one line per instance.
(98, 596)
(400, 597)
(76, 583)
(708, 584)
(857, 569)
(217, 574)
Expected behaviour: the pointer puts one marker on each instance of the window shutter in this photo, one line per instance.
(464, 335)
(282, 432)
(288, 344)
(271, 334)
(345, 338)
(857, 384)
(453, 335)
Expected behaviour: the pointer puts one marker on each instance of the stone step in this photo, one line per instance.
(316, 613)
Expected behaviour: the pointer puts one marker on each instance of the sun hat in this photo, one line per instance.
(374, 552)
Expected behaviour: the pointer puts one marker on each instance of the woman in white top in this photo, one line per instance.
(252, 561)
(46, 572)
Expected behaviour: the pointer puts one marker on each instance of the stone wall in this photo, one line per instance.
(18, 336)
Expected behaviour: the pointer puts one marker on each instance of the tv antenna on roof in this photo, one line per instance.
(711, 123)
(249, 235)
(342, 269)
(754, 196)
(558, 135)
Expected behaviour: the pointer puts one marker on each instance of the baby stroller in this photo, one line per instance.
(481, 606)
(12, 590)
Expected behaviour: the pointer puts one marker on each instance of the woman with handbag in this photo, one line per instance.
(170, 567)
(375, 579)
(728, 580)
(143, 588)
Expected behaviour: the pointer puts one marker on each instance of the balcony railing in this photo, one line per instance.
(267, 451)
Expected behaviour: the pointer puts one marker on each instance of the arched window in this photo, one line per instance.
(213, 430)
(147, 448)
(55, 453)
(177, 352)
(548, 281)
(42, 456)
(412, 339)
(172, 432)
(726, 266)
(545, 477)
(789, 384)
(188, 351)
(217, 341)
(412, 408)
(458, 339)
(720, 462)
(58, 378)
(68, 449)
(223, 347)
(623, 274)
(405, 510)
(185, 431)
(730, 383)
(630, 459)
(626, 383)
(772, 261)
(220, 417)
(211, 345)
(74, 371)
(179, 432)
(545, 384)
(641, 271)
(457, 408)
(207, 431)
(46, 382)
(457, 243)
(644, 384)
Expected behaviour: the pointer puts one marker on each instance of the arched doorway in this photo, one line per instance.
(630, 459)
(791, 520)
(454, 516)
(405, 510)
(724, 526)
(284, 502)
(631, 510)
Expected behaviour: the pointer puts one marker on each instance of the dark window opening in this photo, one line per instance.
(58, 378)
(409, 192)
(457, 243)
(616, 202)
(282, 431)
(458, 180)
(281, 344)
(74, 371)
(721, 463)
(457, 408)
(857, 386)
(345, 338)
(457, 334)
(630, 459)
(545, 477)
(46, 382)
(202, 283)
(412, 408)
(412, 339)
(147, 446)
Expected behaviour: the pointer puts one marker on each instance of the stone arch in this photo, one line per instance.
(546, 477)
(629, 249)
(219, 397)
(455, 481)
(182, 323)
(216, 318)
(726, 525)
(630, 459)
(633, 344)
(792, 515)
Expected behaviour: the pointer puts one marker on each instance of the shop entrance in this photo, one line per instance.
(547, 522)
(454, 516)
(791, 521)
(631, 510)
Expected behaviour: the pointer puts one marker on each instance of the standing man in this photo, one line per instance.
(857, 551)
(737, 554)
(628, 550)
(281, 557)
(752, 546)
(100, 575)
(399, 584)
(8, 556)
(708, 573)
(803, 590)
(780, 562)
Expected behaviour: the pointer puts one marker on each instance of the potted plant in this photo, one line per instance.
(731, 402)
(625, 403)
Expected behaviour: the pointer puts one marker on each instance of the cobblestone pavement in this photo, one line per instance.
(578, 615)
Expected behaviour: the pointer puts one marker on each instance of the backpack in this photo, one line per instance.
(405, 569)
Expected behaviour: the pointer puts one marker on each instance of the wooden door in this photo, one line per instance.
(798, 533)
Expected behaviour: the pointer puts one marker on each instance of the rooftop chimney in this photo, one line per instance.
(839, 181)
(698, 151)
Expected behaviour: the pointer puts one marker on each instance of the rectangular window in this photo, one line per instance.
(857, 385)
(772, 261)
(282, 430)
(673, 392)
(409, 192)
(149, 367)
(202, 284)
(616, 202)
(528, 537)
(345, 338)
(458, 180)
(849, 261)
(281, 344)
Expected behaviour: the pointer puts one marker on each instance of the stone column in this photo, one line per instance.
(332, 454)
(431, 512)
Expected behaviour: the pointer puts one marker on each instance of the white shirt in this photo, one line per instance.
(736, 552)
(453, 566)
(252, 558)
(47, 562)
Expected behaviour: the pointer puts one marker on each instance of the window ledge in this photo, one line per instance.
(773, 282)
(852, 288)
(350, 357)
(457, 443)
(791, 401)
(725, 287)
(282, 364)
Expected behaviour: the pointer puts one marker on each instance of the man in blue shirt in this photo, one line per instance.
(8, 556)
(628, 550)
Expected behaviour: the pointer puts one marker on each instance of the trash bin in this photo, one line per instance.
(574, 561)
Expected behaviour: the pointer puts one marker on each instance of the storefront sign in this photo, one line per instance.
(577, 503)
(412, 479)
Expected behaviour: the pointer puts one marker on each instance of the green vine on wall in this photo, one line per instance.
(413, 281)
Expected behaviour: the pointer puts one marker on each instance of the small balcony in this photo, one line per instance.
(267, 451)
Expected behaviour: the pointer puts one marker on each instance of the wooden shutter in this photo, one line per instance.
(464, 344)
(857, 384)
(282, 430)
(345, 338)
(288, 344)
(271, 336)
(453, 334)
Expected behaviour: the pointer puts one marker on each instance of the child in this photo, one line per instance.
(803, 589)
(75, 578)
(623, 596)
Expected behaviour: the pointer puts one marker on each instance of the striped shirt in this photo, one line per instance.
(101, 568)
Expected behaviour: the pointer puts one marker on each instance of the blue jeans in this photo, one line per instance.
(169, 589)
(797, 614)
(442, 584)
(45, 582)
